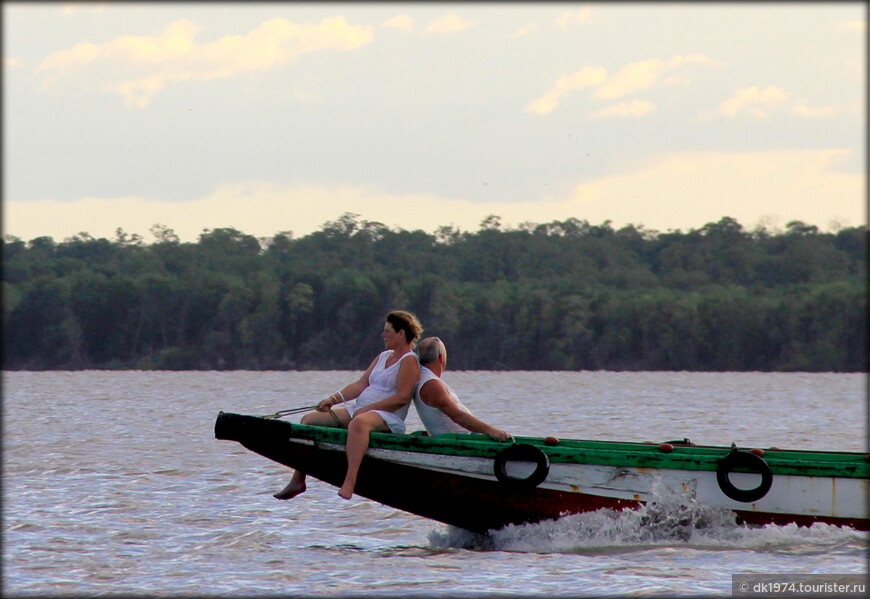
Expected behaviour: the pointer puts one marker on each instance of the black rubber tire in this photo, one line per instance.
(522, 452)
(756, 464)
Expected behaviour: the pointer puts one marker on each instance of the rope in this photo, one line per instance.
(283, 413)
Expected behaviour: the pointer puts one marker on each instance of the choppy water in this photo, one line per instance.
(113, 483)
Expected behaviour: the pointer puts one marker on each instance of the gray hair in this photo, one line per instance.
(430, 349)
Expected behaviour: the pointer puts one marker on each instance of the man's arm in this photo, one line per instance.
(434, 394)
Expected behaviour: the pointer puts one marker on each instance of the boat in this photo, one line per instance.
(475, 483)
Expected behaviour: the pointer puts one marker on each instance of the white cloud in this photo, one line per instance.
(72, 7)
(702, 187)
(586, 77)
(754, 100)
(676, 80)
(524, 30)
(569, 20)
(402, 22)
(684, 190)
(680, 60)
(306, 97)
(631, 78)
(761, 103)
(11, 62)
(859, 26)
(138, 67)
(802, 109)
(451, 23)
(256, 207)
(635, 108)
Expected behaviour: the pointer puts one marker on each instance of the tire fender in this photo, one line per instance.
(522, 452)
(754, 463)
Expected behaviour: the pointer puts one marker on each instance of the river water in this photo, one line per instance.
(113, 483)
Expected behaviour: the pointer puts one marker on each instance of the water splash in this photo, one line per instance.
(669, 520)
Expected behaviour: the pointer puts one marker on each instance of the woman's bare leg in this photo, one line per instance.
(297, 485)
(357, 443)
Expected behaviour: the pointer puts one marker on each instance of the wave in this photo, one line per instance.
(669, 519)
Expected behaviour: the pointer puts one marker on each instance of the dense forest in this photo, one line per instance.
(557, 296)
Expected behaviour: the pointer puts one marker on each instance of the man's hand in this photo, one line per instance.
(500, 435)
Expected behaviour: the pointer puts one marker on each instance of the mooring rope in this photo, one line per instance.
(283, 413)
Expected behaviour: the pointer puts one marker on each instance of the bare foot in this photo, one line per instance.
(345, 494)
(290, 491)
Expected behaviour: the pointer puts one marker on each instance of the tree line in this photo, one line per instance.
(564, 295)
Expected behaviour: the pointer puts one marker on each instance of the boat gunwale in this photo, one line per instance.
(608, 453)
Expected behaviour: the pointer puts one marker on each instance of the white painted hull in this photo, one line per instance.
(810, 496)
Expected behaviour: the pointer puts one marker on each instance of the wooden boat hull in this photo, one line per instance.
(454, 479)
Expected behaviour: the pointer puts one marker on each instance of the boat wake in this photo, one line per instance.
(669, 520)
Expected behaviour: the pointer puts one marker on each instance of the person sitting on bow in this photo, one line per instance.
(383, 395)
(437, 404)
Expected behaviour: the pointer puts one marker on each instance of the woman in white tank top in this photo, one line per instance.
(383, 395)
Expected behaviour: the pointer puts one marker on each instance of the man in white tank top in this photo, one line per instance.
(437, 404)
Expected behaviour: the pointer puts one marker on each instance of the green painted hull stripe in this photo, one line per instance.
(604, 453)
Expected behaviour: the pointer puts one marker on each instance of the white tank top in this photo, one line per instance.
(436, 421)
(382, 384)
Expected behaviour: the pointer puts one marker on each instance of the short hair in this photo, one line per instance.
(430, 349)
(405, 321)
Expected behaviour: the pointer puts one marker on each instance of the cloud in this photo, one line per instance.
(635, 108)
(306, 97)
(569, 20)
(10, 62)
(761, 103)
(754, 100)
(402, 22)
(685, 190)
(72, 7)
(629, 79)
(702, 187)
(802, 109)
(586, 77)
(679, 60)
(451, 23)
(138, 67)
(859, 26)
(255, 207)
(524, 30)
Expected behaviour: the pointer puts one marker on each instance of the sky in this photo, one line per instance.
(280, 117)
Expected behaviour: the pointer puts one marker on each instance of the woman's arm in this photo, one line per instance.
(349, 391)
(409, 372)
